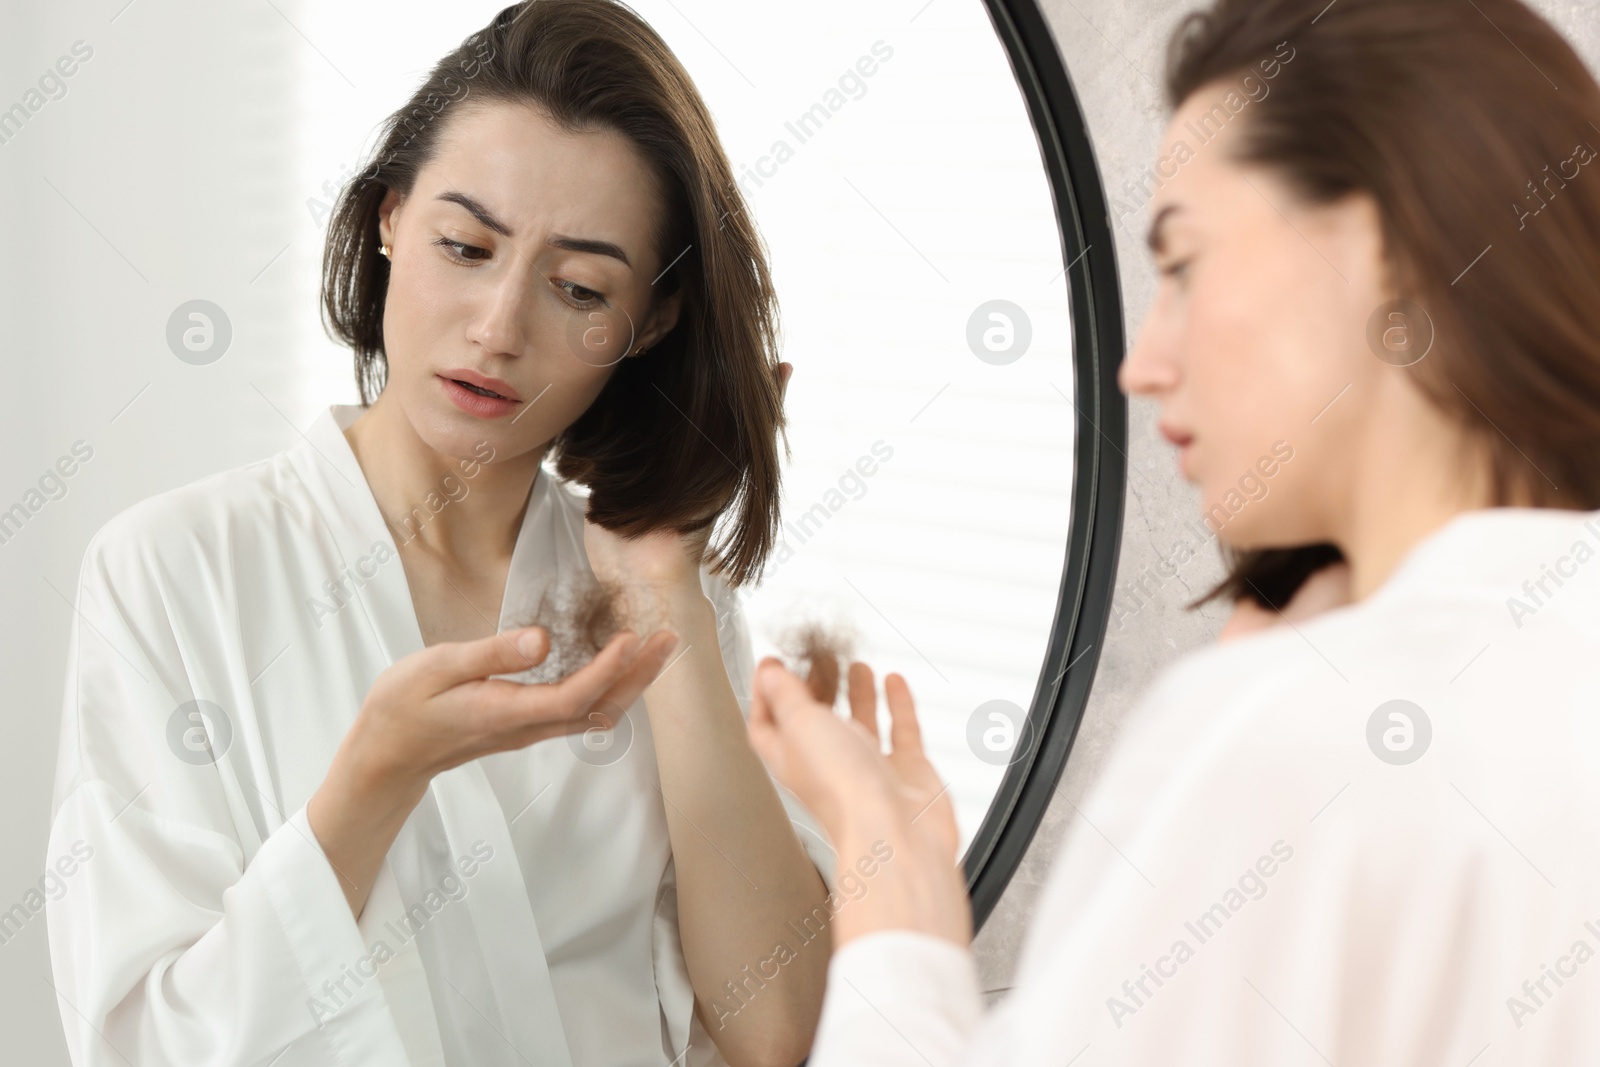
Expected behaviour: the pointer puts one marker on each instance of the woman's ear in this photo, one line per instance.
(662, 318)
(386, 208)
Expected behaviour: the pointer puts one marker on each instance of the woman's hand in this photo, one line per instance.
(439, 708)
(662, 564)
(660, 560)
(1326, 588)
(837, 768)
(655, 578)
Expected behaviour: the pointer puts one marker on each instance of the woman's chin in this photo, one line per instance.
(453, 433)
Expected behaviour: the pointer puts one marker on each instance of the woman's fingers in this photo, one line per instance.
(594, 677)
(646, 665)
(515, 705)
(864, 699)
(1325, 589)
(905, 735)
(760, 724)
(451, 663)
(778, 694)
(1247, 617)
(599, 693)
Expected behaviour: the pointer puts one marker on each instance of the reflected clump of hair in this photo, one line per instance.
(580, 620)
(818, 654)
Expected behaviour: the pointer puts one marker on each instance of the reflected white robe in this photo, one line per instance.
(1272, 893)
(207, 927)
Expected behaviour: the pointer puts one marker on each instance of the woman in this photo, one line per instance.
(322, 829)
(1369, 835)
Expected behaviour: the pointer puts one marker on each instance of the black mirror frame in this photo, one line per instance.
(1088, 578)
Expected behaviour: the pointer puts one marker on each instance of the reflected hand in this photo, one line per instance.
(925, 796)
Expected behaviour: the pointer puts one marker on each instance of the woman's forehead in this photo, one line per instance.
(1194, 165)
(533, 174)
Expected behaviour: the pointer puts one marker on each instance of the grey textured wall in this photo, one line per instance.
(1114, 51)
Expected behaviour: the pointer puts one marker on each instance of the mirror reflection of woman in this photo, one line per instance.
(1364, 829)
(330, 824)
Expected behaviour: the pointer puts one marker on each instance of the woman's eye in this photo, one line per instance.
(581, 296)
(1175, 270)
(452, 246)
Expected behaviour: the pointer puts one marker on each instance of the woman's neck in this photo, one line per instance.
(459, 509)
(1416, 470)
(1379, 538)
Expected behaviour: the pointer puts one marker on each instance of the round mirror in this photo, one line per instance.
(938, 237)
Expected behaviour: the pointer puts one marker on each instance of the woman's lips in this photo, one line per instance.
(476, 403)
(1181, 438)
(481, 382)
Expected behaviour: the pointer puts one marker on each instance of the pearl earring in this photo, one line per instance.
(384, 250)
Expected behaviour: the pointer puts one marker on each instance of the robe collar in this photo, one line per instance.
(1495, 549)
(549, 545)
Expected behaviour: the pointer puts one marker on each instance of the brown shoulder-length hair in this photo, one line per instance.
(687, 432)
(1473, 127)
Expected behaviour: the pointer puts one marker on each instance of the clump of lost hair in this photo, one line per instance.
(580, 620)
(819, 655)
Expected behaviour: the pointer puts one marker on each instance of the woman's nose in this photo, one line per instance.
(500, 320)
(1150, 367)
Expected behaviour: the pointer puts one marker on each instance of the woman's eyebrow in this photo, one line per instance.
(584, 244)
(1157, 238)
(571, 244)
(479, 212)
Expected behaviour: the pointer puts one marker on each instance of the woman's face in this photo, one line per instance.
(1255, 346)
(525, 254)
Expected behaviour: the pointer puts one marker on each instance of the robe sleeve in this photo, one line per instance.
(733, 633)
(1247, 885)
(186, 935)
(898, 998)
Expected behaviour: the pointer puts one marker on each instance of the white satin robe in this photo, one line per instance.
(526, 914)
(1248, 884)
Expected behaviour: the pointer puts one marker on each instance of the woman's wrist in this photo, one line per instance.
(908, 892)
(679, 606)
(361, 794)
(684, 606)
(908, 889)
(355, 817)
